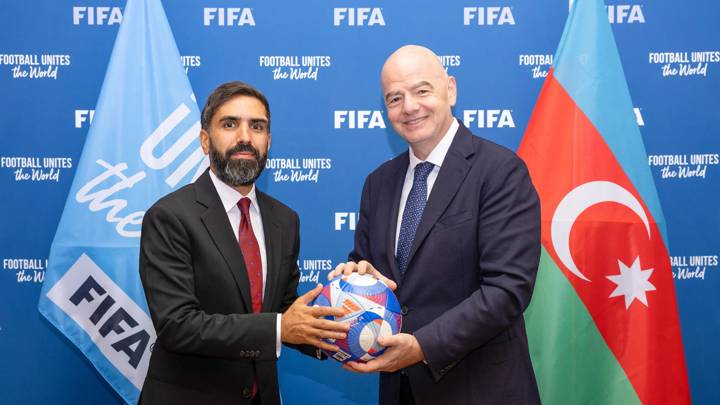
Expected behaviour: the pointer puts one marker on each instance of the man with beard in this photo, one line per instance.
(218, 262)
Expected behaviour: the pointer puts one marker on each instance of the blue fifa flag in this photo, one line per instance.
(142, 144)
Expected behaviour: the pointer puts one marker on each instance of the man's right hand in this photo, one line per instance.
(363, 267)
(303, 324)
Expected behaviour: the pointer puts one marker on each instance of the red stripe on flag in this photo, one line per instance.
(606, 253)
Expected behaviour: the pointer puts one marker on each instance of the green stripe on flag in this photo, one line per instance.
(572, 362)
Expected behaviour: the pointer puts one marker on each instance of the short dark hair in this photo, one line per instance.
(226, 92)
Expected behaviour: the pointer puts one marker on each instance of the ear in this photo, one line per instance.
(269, 142)
(205, 141)
(452, 91)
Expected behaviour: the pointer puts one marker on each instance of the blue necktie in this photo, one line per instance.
(414, 207)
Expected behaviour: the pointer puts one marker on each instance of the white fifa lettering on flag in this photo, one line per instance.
(120, 328)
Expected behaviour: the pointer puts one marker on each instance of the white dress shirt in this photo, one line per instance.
(435, 157)
(230, 197)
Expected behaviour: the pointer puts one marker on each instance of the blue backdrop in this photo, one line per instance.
(319, 62)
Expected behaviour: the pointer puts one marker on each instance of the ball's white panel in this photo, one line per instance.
(385, 329)
(361, 280)
(367, 337)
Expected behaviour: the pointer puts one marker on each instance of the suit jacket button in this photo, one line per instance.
(246, 392)
(404, 310)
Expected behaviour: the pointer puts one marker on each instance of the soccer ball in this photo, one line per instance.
(371, 309)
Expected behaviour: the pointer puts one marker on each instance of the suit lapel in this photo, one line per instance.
(216, 222)
(392, 190)
(273, 247)
(452, 174)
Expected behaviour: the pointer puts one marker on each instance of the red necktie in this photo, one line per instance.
(251, 252)
(253, 263)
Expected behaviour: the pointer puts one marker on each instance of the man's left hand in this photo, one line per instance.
(403, 350)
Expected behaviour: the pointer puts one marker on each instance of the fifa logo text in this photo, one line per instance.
(625, 13)
(488, 16)
(97, 15)
(345, 220)
(359, 119)
(488, 118)
(358, 16)
(231, 16)
(83, 116)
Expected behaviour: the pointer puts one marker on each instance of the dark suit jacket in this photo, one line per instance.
(209, 343)
(470, 275)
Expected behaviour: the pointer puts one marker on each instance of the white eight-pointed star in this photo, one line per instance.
(632, 282)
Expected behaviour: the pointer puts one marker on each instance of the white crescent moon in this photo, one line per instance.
(577, 201)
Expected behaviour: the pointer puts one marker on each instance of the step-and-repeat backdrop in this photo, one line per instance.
(319, 64)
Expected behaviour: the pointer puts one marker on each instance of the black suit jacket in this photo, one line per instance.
(470, 275)
(209, 343)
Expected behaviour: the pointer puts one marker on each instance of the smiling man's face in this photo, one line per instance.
(237, 141)
(418, 95)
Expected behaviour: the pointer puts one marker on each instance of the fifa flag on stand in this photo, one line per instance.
(141, 145)
(603, 323)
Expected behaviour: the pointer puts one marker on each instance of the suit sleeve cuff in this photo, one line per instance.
(426, 336)
(278, 335)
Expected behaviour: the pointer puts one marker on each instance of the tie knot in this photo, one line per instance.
(244, 205)
(422, 170)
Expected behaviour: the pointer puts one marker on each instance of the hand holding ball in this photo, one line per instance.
(370, 308)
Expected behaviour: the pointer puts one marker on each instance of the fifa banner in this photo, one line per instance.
(613, 105)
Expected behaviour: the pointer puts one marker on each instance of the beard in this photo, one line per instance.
(237, 172)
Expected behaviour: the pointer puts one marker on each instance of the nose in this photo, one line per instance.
(243, 134)
(410, 105)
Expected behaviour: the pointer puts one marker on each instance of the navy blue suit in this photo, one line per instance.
(470, 275)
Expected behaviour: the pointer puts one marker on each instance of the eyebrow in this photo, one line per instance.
(236, 118)
(413, 87)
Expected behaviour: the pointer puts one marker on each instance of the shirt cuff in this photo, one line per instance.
(278, 335)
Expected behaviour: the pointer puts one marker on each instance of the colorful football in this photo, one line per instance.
(371, 309)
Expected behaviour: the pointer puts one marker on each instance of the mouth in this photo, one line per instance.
(243, 155)
(242, 152)
(415, 121)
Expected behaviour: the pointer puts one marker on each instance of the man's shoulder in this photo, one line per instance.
(277, 207)
(497, 166)
(391, 167)
(489, 151)
(183, 194)
(175, 200)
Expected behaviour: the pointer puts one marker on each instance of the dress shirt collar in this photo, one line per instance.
(437, 155)
(230, 197)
